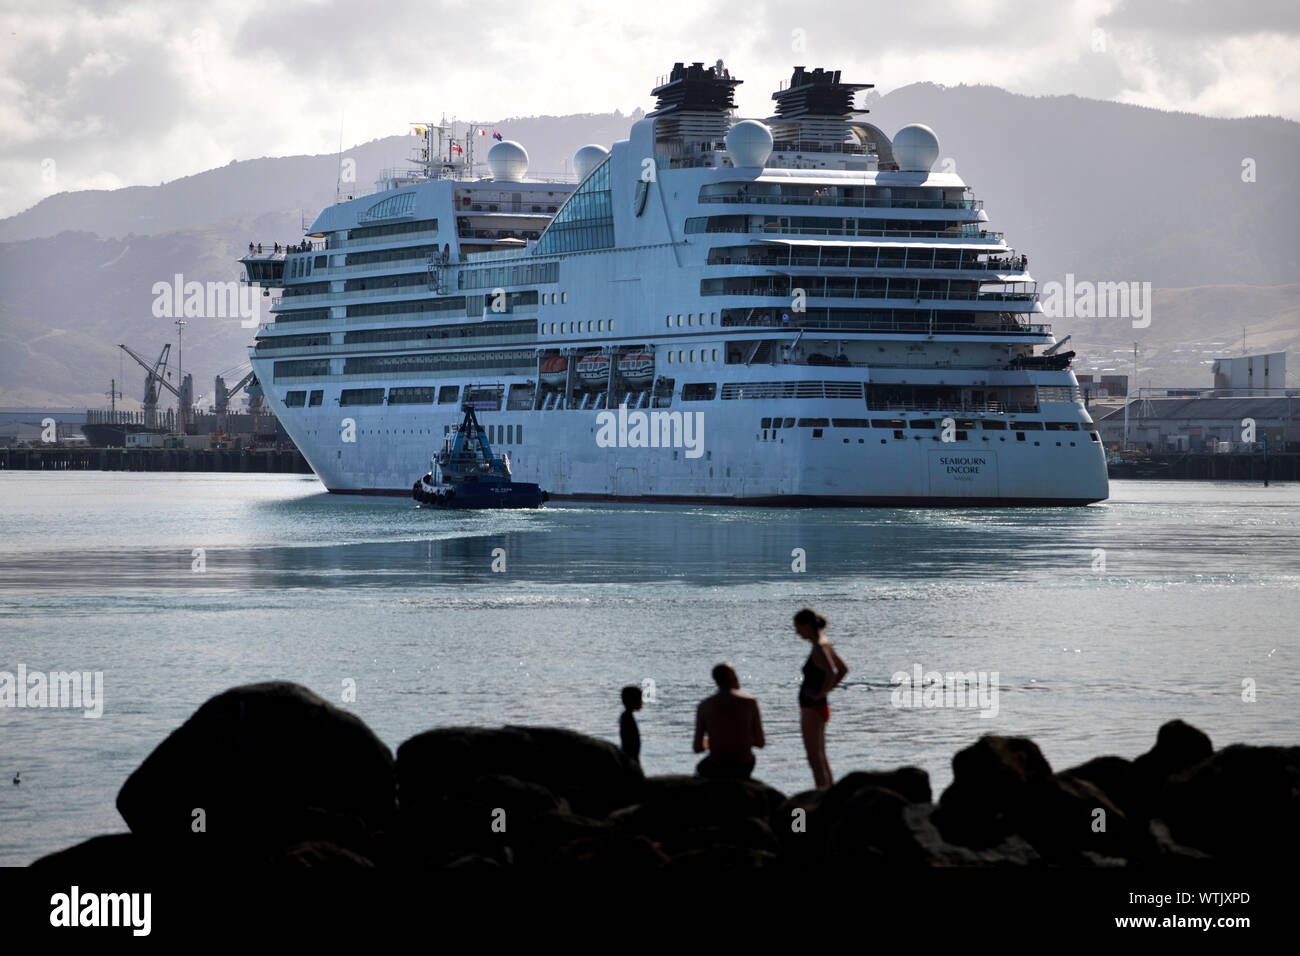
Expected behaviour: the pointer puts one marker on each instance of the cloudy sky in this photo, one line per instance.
(108, 94)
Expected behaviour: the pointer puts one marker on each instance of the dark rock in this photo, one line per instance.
(612, 851)
(268, 764)
(683, 813)
(1179, 746)
(1004, 786)
(1243, 803)
(317, 855)
(593, 776)
(115, 853)
(1134, 786)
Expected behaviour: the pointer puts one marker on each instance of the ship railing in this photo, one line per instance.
(805, 321)
(779, 229)
(921, 296)
(928, 263)
(844, 201)
(966, 407)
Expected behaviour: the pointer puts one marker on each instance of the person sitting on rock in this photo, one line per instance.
(728, 726)
(628, 732)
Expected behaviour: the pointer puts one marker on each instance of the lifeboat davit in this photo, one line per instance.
(637, 367)
(593, 368)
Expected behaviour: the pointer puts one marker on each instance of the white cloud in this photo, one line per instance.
(147, 91)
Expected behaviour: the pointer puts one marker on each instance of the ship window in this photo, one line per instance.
(679, 320)
(519, 434)
(586, 220)
(510, 434)
(670, 358)
(564, 297)
(362, 396)
(851, 423)
(412, 395)
(715, 355)
(767, 423)
(1020, 436)
(668, 321)
(713, 318)
(611, 325)
(600, 326)
(994, 426)
(817, 433)
(690, 318)
(898, 433)
(692, 355)
(1027, 426)
(1062, 426)
(448, 394)
(814, 423)
(886, 423)
(789, 423)
(295, 399)
(699, 392)
(317, 396)
(922, 423)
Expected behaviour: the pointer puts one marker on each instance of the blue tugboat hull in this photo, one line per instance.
(473, 495)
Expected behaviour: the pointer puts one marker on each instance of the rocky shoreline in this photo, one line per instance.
(272, 776)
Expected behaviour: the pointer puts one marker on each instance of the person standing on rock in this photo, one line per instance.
(629, 734)
(728, 726)
(821, 672)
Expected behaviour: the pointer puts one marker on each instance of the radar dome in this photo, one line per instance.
(588, 158)
(916, 148)
(508, 161)
(749, 143)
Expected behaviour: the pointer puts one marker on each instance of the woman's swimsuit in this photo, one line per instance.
(814, 679)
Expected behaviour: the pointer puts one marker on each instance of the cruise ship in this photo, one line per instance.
(795, 310)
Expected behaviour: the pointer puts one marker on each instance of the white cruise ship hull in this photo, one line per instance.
(736, 464)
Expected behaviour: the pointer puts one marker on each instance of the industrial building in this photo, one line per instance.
(1206, 424)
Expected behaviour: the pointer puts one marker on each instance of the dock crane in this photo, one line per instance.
(224, 394)
(155, 376)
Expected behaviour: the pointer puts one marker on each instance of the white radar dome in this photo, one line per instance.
(508, 161)
(588, 158)
(916, 148)
(749, 143)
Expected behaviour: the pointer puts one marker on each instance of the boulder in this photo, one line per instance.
(270, 765)
(592, 776)
(1003, 786)
(683, 813)
(1240, 805)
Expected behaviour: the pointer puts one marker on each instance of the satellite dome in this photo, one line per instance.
(749, 143)
(916, 148)
(588, 158)
(508, 161)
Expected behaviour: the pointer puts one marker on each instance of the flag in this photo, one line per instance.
(482, 132)
(496, 135)
(420, 130)
(455, 148)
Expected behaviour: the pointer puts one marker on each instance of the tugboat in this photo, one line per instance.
(465, 474)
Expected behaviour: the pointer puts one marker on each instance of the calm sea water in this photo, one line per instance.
(1200, 591)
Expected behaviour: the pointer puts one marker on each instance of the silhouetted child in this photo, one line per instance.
(628, 732)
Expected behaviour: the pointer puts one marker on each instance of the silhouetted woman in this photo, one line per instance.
(822, 671)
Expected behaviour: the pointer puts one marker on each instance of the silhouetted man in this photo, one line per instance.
(728, 725)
